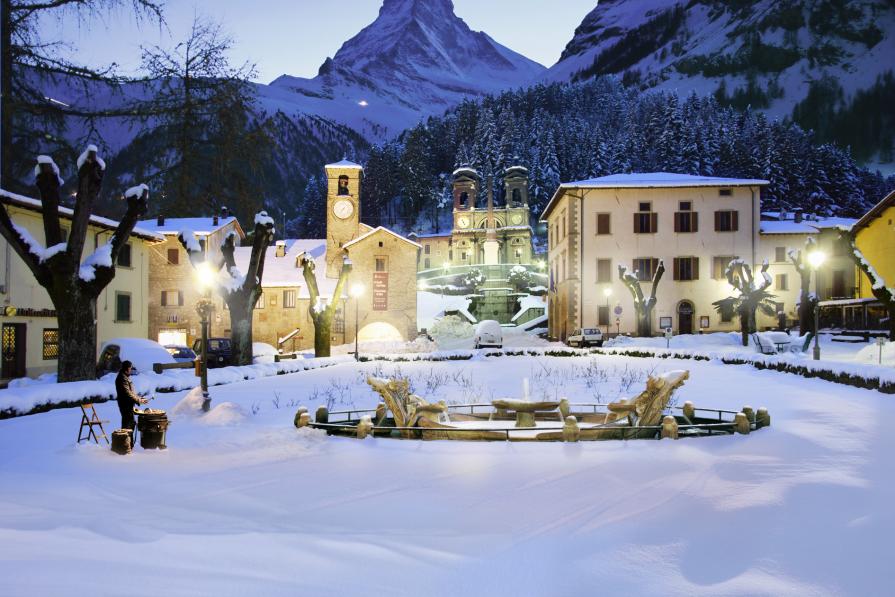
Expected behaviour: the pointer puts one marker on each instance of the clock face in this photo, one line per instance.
(343, 209)
(463, 222)
(517, 219)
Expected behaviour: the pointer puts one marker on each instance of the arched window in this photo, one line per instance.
(464, 199)
(343, 185)
(517, 197)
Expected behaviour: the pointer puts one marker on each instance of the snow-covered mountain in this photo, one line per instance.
(416, 59)
(770, 54)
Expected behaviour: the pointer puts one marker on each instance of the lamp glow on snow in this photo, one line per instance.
(815, 260)
(356, 291)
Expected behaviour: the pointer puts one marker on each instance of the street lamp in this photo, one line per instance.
(815, 260)
(607, 292)
(205, 276)
(357, 291)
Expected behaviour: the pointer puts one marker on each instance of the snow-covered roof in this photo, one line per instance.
(286, 271)
(383, 229)
(201, 226)
(520, 169)
(651, 180)
(433, 235)
(466, 170)
(875, 211)
(66, 213)
(803, 227)
(345, 164)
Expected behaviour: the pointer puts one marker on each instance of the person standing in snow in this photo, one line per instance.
(127, 397)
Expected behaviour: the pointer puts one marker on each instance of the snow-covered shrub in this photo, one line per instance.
(519, 278)
(451, 326)
(473, 279)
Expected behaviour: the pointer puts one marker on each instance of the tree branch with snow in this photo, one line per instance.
(322, 315)
(643, 309)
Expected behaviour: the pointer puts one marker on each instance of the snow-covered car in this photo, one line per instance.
(488, 333)
(263, 353)
(219, 353)
(181, 354)
(585, 337)
(139, 351)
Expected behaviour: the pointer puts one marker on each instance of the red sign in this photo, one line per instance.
(380, 291)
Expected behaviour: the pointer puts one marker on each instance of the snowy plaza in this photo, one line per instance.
(243, 502)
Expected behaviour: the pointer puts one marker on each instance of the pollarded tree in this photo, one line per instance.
(753, 296)
(643, 308)
(240, 291)
(322, 312)
(807, 300)
(73, 285)
(883, 293)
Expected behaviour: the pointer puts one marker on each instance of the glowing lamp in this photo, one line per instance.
(816, 259)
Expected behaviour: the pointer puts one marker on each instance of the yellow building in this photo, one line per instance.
(875, 238)
(29, 329)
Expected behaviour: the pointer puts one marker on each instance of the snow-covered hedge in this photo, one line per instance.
(41, 397)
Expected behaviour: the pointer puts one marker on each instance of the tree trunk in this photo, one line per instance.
(644, 322)
(240, 330)
(322, 327)
(76, 315)
(806, 315)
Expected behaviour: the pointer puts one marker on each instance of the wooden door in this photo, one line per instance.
(685, 318)
(12, 339)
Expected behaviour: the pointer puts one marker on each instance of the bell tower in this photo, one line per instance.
(342, 211)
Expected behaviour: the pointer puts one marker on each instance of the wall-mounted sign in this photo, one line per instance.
(380, 291)
(10, 311)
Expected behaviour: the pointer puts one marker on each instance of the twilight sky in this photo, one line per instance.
(295, 36)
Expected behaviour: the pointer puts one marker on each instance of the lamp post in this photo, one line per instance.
(357, 291)
(447, 269)
(607, 292)
(816, 259)
(204, 306)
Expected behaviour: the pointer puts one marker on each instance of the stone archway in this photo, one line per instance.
(685, 312)
(380, 331)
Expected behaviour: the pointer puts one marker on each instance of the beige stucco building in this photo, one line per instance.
(29, 328)
(173, 291)
(694, 224)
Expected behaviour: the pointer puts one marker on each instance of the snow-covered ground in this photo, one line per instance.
(258, 507)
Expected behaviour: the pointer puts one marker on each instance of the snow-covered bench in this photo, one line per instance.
(763, 344)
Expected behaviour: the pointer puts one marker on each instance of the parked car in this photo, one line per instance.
(139, 351)
(219, 353)
(488, 333)
(585, 337)
(181, 354)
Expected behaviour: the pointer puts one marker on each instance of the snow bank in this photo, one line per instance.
(190, 407)
(871, 355)
(263, 353)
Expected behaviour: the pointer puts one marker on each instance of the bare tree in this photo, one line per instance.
(29, 63)
(73, 285)
(806, 299)
(753, 295)
(322, 312)
(883, 293)
(240, 291)
(642, 308)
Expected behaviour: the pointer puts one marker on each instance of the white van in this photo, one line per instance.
(585, 337)
(488, 333)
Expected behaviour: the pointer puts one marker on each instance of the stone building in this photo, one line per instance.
(30, 334)
(173, 291)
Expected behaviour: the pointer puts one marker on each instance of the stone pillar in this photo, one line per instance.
(570, 430)
(762, 418)
(669, 427)
(741, 424)
(750, 414)
(301, 410)
(689, 410)
(322, 415)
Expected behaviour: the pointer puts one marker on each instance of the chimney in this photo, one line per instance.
(214, 221)
(225, 212)
(160, 220)
(797, 216)
(281, 248)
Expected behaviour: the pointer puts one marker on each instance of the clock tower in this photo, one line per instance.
(342, 211)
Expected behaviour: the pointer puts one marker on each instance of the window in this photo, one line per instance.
(782, 282)
(562, 222)
(124, 255)
(464, 199)
(260, 303)
(202, 244)
(726, 317)
(462, 255)
(686, 220)
(343, 185)
(603, 224)
(427, 249)
(645, 267)
(51, 344)
(727, 221)
(685, 206)
(602, 315)
(339, 321)
(686, 268)
(644, 206)
(172, 298)
(288, 299)
(725, 192)
(173, 256)
(64, 232)
(426, 263)
(380, 244)
(779, 254)
(719, 266)
(122, 306)
(604, 270)
(645, 221)
(381, 264)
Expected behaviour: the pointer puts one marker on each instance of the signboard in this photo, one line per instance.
(380, 291)
(618, 310)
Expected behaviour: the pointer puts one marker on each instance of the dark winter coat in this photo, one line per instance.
(127, 399)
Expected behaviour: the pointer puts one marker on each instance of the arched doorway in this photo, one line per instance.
(380, 331)
(685, 317)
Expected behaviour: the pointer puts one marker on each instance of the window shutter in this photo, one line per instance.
(164, 298)
(677, 268)
(694, 222)
(677, 221)
(717, 221)
(636, 222)
(695, 268)
(179, 298)
(653, 222)
(735, 221)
